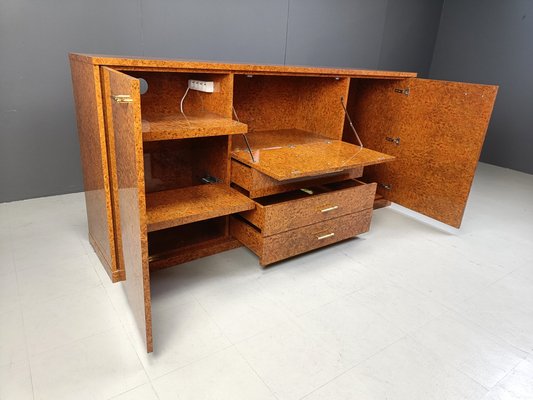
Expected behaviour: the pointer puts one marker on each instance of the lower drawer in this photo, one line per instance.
(274, 248)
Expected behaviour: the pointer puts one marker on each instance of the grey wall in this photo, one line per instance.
(491, 41)
(39, 152)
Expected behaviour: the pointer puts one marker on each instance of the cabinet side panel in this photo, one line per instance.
(89, 114)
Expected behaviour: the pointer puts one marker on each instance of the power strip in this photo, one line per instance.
(202, 86)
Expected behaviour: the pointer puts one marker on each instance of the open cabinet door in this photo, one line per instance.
(436, 131)
(123, 114)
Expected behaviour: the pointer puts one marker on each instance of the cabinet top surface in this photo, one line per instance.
(127, 62)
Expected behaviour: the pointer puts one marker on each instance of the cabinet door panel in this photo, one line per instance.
(124, 118)
(441, 127)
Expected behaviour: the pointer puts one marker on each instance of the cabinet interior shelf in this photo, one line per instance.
(178, 126)
(175, 207)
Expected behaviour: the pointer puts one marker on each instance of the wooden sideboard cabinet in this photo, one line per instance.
(268, 160)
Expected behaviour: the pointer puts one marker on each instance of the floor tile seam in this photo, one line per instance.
(450, 365)
(27, 303)
(227, 287)
(490, 334)
(115, 396)
(70, 343)
(69, 259)
(27, 307)
(189, 363)
(234, 345)
(26, 346)
(125, 329)
(355, 365)
(256, 373)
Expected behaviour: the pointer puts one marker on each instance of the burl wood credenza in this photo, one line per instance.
(268, 159)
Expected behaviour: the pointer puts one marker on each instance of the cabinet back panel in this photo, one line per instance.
(173, 164)
(166, 89)
(285, 102)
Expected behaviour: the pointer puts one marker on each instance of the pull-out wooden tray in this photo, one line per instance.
(283, 245)
(283, 212)
(291, 153)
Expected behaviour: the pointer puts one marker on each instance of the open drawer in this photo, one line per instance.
(282, 212)
(287, 244)
(258, 184)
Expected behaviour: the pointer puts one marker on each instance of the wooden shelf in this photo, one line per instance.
(292, 153)
(178, 126)
(195, 203)
(188, 242)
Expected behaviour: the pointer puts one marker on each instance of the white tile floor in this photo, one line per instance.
(406, 311)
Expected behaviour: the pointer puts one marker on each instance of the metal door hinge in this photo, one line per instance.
(396, 141)
(405, 91)
(122, 98)
(386, 186)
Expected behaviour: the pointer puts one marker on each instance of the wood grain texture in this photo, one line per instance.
(93, 151)
(278, 247)
(180, 163)
(306, 103)
(257, 184)
(113, 179)
(304, 157)
(166, 89)
(441, 126)
(183, 65)
(380, 202)
(195, 203)
(178, 126)
(185, 243)
(280, 213)
(194, 252)
(126, 125)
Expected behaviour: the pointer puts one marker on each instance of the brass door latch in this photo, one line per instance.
(122, 98)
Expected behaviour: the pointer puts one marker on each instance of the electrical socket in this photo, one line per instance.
(202, 86)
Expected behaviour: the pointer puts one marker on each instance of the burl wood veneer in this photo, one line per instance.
(144, 162)
(283, 212)
(188, 242)
(303, 103)
(271, 249)
(440, 126)
(178, 126)
(126, 125)
(190, 204)
(181, 163)
(136, 63)
(304, 157)
(257, 184)
(86, 82)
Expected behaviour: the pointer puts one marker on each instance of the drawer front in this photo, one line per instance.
(258, 184)
(297, 241)
(344, 198)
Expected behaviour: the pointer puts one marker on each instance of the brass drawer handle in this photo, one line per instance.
(327, 235)
(325, 210)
